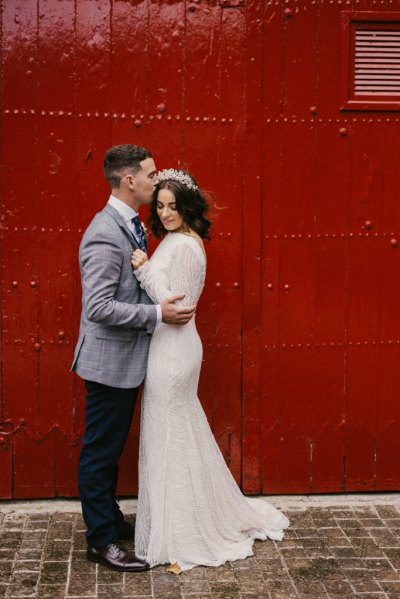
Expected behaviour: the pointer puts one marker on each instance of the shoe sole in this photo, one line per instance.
(97, 560)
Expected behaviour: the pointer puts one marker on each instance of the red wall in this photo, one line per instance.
(299, 320)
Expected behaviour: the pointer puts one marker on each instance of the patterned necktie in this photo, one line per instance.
(140, 236)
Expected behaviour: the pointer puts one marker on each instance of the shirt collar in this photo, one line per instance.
(125, 211)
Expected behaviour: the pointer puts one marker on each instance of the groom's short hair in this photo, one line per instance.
(120, 159)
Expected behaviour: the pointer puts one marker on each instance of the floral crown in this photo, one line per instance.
(180, 176)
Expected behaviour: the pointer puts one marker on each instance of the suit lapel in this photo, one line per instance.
(122, 223)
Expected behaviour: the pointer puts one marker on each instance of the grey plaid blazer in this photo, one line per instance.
(117, 317)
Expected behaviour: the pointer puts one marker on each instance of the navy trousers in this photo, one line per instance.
(108, 418)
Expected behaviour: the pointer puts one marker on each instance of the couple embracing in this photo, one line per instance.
(138, 322)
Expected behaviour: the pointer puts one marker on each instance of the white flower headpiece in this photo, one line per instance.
(180, 176)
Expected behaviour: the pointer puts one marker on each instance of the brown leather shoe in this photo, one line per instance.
(125, 531)
(114, 556)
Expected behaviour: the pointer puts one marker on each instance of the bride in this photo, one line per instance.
(190, 510)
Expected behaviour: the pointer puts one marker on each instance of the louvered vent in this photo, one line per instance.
(377, 62)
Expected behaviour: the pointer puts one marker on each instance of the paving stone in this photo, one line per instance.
(318, 569)
(307, 532)
(38, 517)
(340, 512)
(12, 525)
(355, 532)
(249, 575)
(137, 584)
(343, 552)
(327, 553)
(10, 539)
(54, 572)
(365, 511)
(62, 517)
(194, 574)
(385, 575)
(387, 511)
(5, 571)
(36, 525)
(366, 548)
(266, 550)
(195, 586)
(314, 542)
(314, 587)
(167, 594)
(82, 588)
(348, 523)
(255, 595)
(291, 552)
(112, 591)
(60, 531)
(250, 564)
(272, 567)
(23, 584)
(331, 532)
(31, 543)
(392, 586)
(79, 541)
(363, 596)
(51, 591)
(384, 538)
(56, 550)
(342, 542)
(337, 586)
(26, 566)
(349, 562)
(299, 520)
(373, 523)
(29, 553)
(224, 573)
(106, 576)
(224, 587)
(365, 586)
(284, 591)
(319, 552)
(82, 579)
(325, 523)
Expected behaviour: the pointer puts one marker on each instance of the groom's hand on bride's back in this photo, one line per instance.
(173, 314)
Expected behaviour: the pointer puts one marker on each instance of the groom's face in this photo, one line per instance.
(144, 181)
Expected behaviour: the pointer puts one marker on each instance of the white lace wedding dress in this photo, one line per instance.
(190, 509)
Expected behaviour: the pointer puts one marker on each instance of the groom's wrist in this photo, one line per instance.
(159, 317)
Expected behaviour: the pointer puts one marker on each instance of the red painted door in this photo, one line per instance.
(299, 319)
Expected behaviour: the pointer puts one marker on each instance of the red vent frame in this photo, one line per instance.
(353, 22)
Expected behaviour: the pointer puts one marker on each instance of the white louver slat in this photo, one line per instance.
(377, 62)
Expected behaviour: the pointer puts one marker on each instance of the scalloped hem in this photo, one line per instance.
(274, 535)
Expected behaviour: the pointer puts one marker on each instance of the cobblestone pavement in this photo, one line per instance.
(328, 552)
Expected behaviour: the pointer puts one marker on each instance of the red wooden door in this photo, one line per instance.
(298, 320)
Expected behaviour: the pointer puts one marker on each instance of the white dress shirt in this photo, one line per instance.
(128, 214)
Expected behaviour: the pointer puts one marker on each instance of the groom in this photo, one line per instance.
(117, 321)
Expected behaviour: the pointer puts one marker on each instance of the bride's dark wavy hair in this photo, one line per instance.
(190, 203)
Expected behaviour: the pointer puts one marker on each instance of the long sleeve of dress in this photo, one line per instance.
(186, 276)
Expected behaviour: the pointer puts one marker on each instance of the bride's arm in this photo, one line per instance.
(185, 277)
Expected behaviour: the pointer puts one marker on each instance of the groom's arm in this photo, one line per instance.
(101, 262)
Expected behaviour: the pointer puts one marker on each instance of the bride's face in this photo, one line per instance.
(167, 212)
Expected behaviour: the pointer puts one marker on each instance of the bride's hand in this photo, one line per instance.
(138, 259)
